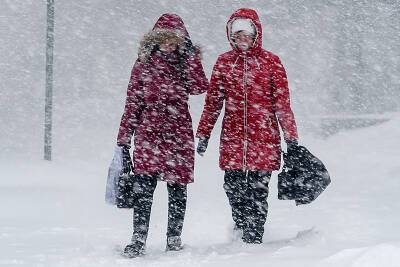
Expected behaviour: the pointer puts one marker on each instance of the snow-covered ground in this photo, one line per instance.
(53, 214)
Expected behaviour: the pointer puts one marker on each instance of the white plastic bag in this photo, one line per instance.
(113, 175)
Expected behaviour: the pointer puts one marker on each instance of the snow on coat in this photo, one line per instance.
(254, 87)
(156, 110)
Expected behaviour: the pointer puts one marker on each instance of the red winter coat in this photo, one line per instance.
(156, 109)
(254, 87)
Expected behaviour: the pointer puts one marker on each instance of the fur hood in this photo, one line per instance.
(154, 38)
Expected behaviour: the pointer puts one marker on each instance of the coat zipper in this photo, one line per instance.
(245, 114)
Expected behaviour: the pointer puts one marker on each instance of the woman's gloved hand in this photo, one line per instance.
(292, 145)
(202, 145)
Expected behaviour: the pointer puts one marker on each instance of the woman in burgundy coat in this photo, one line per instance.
(156, 113)
(253, 85)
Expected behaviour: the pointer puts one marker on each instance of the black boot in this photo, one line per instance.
(174, 243)
(252, 236)
(135, 249)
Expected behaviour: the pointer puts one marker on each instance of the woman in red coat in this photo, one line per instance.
(253, 85)
(167, 71)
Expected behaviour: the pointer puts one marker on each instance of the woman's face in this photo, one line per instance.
(168, 46)
(243, 40)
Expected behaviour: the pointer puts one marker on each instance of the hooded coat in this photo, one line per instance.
(156, 109)
(254, 87)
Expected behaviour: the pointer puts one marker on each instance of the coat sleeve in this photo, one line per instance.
(134, 106)
(197, 82)
(213, 103)
(281, 97)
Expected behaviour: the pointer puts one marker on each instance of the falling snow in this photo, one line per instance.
(342, 60)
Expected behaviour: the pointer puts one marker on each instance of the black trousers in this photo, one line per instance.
(144, 187)
(247, 192)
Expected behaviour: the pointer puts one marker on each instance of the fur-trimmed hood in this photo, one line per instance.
(154, 38)
(167, 27)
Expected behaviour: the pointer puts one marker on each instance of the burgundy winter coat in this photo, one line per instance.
(157, 112)
(254, 87)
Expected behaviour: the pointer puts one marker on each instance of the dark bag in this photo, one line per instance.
(125, 194)
(303, 177)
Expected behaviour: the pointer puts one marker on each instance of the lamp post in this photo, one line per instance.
(49, 80)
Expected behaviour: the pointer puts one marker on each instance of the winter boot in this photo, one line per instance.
(133, 250)
(252, 237)
(174, 243)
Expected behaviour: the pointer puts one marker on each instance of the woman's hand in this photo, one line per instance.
(292, 145)
(202, 145)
